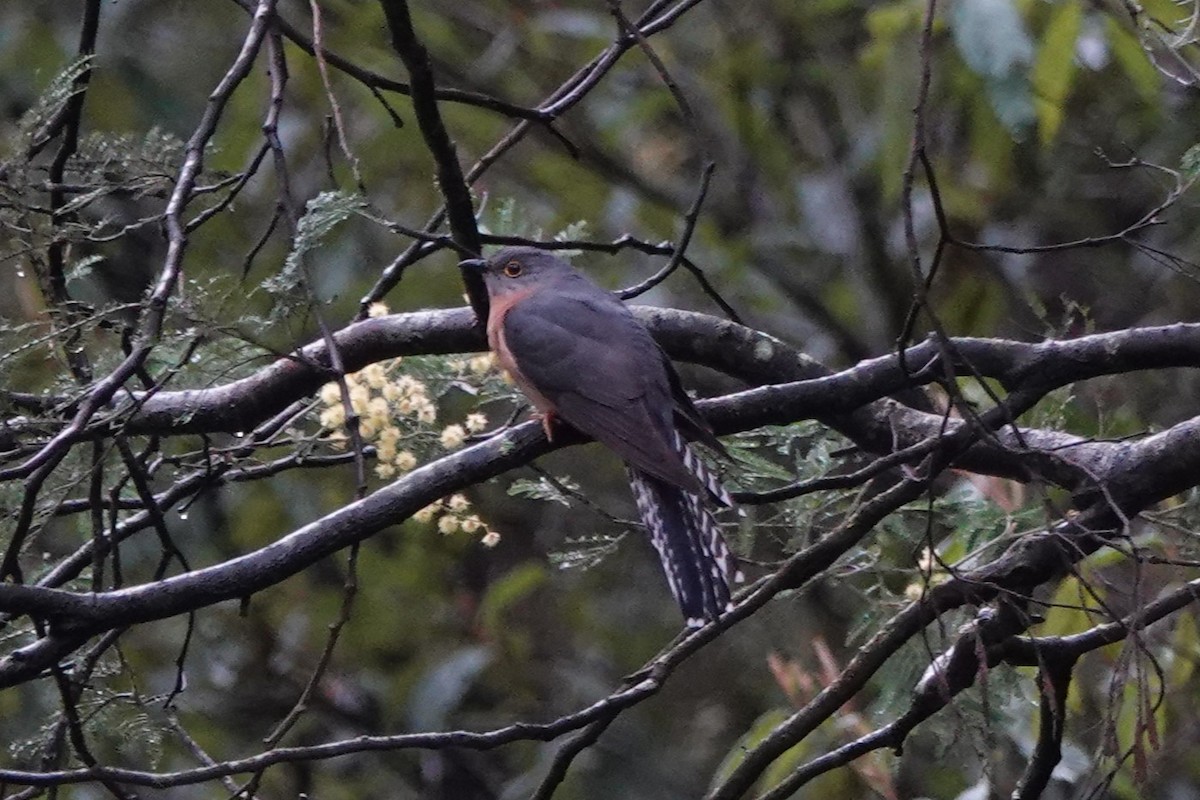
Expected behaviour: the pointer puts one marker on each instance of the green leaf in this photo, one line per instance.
(889, 21)
(322, 215)
(1054, 68)
(584, 552)
(1190, 163)
(58, 92)
(1134, 61)
(1012, 100)
(83, 267)
(542, 489)
(991, 37)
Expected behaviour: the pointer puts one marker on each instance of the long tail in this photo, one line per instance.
(708, 479)
(698, 563)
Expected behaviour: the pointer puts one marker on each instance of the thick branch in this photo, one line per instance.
(803, 388)
(1132, 474)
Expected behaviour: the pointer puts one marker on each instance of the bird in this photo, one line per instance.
(581, 357)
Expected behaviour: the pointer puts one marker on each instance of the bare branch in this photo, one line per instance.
(460, 209)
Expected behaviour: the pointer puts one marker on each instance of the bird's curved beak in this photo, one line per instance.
(473, 263)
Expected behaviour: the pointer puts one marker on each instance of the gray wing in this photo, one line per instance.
(603, 372)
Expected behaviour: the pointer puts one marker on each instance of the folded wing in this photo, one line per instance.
(604, 374)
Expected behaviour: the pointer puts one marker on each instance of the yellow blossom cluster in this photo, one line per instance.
(396, 413)
(452, 515)
(378, 399)
(381, 398)
(477, 366)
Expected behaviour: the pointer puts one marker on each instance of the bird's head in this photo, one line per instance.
(518, 269)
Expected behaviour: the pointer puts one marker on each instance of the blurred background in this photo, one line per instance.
(1047, 122)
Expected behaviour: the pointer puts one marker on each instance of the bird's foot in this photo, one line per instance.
(548, 419)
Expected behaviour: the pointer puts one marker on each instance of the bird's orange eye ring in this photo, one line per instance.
(512, 269)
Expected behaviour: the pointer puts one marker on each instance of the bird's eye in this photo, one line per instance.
(512, 269)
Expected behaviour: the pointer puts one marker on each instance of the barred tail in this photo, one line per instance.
(707, 478)
(698, 563)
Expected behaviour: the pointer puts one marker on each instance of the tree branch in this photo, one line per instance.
(460, 209)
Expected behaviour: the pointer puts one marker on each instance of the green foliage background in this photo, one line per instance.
(1042, 120)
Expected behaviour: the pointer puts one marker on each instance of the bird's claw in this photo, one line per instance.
(547, 419)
